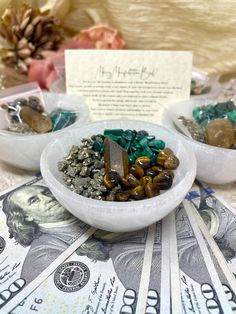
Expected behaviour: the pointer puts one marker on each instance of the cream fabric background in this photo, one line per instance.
(206, 27)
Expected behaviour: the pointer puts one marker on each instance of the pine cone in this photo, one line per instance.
(28, 32)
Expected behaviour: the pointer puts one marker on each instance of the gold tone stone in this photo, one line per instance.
(150, 190)
(138, 193)
(137, 171)
(122, 196)
(143, 162)
(146, 179)
(132, 180)
(162, 156)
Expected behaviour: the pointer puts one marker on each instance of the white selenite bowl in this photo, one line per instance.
(24, 151)
(215, 165)
(119, 216)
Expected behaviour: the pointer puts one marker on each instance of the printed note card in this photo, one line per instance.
(128, 84)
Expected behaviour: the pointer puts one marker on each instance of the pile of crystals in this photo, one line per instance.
(27, 115)
(213, 124)
(119, 165)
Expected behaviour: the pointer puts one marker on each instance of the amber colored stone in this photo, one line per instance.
(111, 179)
(35, 120)
(143, 162)
(151, 190)
(150, 172)
(137, 171)
(158, 169)
(171, 162)
(110, 197)
(122, 196)
(115, 157)
(125, 183)
(220, 133)
(133, 181)
(162, 156)
(138, 193)
(146, 179)
(163, 181)
(171, 173)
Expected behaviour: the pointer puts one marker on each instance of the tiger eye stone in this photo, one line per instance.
(137, 171)
(163, 181)
(151, 190)
(138, 193)
(146, 179)
(150, 172)
(111, 179)
(162, 156)
(122, 196)
(171, 162)
(143, 161)
(125, 183)
(158, 169)
(132, 180)
(171, 173)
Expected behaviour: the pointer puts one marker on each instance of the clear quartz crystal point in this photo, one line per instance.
(115, 157)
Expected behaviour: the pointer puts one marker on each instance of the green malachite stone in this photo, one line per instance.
(138, 153)
(131, 159)
(97, 146)
(143, 142)
(128, 135)
(147, 152)
(232, 116)
(62, 118)
(111, 132)
(206, 113)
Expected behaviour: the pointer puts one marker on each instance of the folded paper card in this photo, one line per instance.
(128, 83)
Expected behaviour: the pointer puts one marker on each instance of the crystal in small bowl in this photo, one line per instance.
(111, 215)
(215, 165)
(24, 150)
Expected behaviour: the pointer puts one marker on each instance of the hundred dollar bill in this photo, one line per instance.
(108, 273)
(176, 305)
(220, 219)
(36, 235)
(158, 295)
(201, 288)
(226, 277)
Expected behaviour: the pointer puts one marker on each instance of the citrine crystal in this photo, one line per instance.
(220, 132)
(35, 120)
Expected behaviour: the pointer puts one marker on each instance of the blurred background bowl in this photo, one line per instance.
(214, 164)
(118, 216)
(24, 151)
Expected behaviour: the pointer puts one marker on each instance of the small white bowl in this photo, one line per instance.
(24, 151)
(118, 216)
(215, 165)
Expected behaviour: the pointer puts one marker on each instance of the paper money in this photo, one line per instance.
(158, 296)
(220, 219)
(36, 235)
(104, 276)
(201, 288)
(226, 277)
(176, 305)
